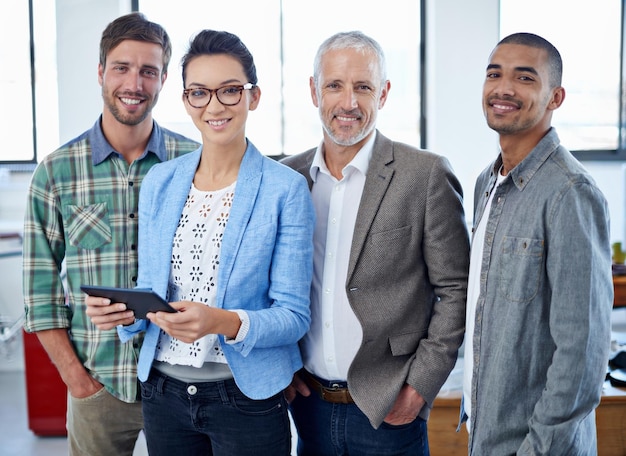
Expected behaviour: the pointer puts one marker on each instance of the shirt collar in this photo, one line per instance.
(526, 169)
(101, 148)
(360, 162)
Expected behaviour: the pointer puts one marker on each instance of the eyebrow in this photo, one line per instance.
(519, 69)
(118, 62)
(233, 81)
(127, 63)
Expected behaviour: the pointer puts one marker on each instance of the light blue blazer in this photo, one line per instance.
(265, 267)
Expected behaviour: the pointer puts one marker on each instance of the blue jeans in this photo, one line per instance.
(326, 429)
(211, 418)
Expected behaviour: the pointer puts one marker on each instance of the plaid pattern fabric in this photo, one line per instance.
(81, 228)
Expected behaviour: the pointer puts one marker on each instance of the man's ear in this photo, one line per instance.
(384, 92)
(316, 102)
(558, 95)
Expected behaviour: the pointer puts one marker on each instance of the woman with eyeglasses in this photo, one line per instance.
(225, 235)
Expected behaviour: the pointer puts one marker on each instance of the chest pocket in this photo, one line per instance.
(88, 227)
(522, 266)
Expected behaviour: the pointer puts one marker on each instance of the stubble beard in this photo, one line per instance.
(130, 119)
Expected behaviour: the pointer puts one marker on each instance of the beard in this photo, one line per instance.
(525, 120)
(350, 140)
(346, 141)
(129, 118)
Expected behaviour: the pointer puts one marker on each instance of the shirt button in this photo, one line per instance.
(192, 389)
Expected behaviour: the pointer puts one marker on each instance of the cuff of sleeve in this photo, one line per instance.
(243, 329)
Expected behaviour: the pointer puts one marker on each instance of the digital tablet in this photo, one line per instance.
(139, 301)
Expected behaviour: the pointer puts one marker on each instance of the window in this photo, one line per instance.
(26, 54)
(588, 36)
(283, 38)
(16, 88)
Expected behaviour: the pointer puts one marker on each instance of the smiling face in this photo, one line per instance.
(517, 97)
(219, 124)
(348, 95)
(131, 81)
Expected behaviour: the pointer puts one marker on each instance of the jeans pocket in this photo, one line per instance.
(397, 427)
(147, 390)
(268, 406)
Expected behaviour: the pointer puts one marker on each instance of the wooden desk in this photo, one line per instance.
(610, 421)
(619, 289)
(444, 417)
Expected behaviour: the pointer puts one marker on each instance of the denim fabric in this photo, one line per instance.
(211, 418)
(542, 327)
(326, 429)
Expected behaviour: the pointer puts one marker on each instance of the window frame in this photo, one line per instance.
(619, 154)
(27, 165)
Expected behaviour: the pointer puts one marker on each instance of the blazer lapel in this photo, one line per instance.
(246, 191)
(175, 193)
(303, 165)
(377, 182)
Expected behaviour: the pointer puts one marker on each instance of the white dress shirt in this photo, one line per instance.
(335, 334)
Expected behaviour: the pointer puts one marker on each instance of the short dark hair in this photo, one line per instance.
(535, 41)
(212, 42)
(135, 26)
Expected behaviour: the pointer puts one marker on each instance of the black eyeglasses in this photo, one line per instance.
(229, 95)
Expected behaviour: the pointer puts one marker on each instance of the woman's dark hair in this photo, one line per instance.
(212, 42)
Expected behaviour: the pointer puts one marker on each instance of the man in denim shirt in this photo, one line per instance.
(540, 289)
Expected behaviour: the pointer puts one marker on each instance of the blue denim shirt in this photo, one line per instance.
(543, 318)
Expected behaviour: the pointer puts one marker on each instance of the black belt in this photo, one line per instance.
(333, 394)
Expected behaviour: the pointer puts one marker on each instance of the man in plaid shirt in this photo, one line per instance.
(81, 228)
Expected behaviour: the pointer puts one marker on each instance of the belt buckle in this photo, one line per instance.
(331, 393)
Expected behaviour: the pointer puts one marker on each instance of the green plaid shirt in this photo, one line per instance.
(81, 228)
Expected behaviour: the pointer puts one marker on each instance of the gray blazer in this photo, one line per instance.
(407, 275)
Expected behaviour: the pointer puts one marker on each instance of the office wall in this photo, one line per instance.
(460, 36)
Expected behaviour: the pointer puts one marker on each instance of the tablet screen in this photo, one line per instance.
(139, 301)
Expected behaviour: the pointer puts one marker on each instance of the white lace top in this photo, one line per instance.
(193, 275)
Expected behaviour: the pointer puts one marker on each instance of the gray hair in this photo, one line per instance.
(350, 40)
